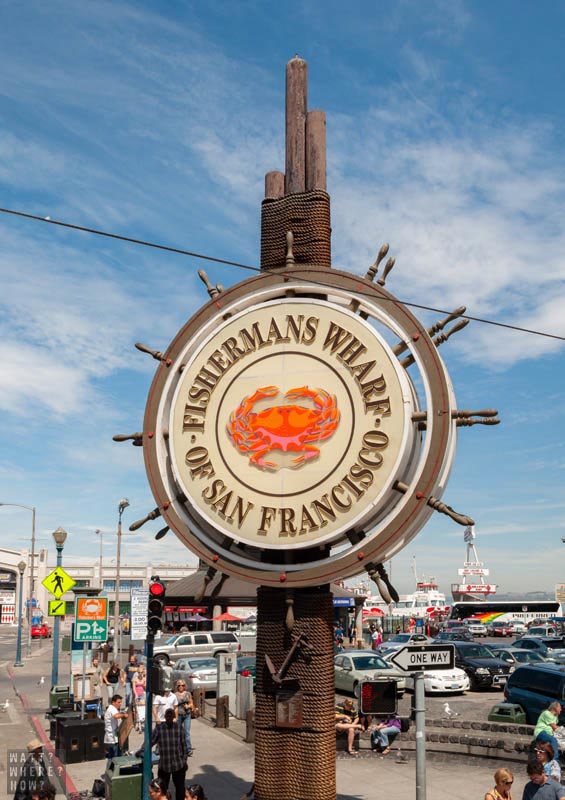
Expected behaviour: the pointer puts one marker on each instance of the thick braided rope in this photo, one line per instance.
(296, 764)
(307, 215)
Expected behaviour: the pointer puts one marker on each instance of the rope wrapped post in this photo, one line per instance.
(295, 763)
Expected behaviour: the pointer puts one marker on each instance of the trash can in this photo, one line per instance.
(507, 712)
(124, 778)
(58, 693)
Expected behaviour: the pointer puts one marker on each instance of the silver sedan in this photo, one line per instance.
(353, 667)
(198, 673)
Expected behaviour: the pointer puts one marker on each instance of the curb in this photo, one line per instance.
(69, 785)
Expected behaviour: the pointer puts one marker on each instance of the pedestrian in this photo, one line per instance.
(161, 703)
(502, 790)
(185, 708)
(376, 638)
(34, 777)
(547, 722)
(540, 787)
(382, 733)
(156, 790)
(111, 678)
(138, 688)
(195, 792)
(97, 680)
(172, 753)
(129, 672)
(551, 766)
(112, 715)
(347, 721)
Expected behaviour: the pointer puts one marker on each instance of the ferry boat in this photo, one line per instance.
(424, 602)
(472, 585)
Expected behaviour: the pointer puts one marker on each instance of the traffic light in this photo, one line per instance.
(156, 606)
(161, 678)
(378, 697)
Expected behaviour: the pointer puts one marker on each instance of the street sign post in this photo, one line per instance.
(416, 658)
(91, 619)
(58, 582)
(138, 614)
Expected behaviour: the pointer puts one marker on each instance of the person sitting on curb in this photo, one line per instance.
(346, 720)
(382, 733)
(547, 722)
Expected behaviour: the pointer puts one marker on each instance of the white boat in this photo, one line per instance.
(424, 602)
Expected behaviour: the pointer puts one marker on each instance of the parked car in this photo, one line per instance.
(453, 636)
(452, 681)
(42, 631)
(517, 655)
(476, 627)
(542, 630)
(198, 673)
(196, 644)
(481, 665)
(552, 648)
(498, 628)
(353, 666)
(404, 639)
(247, 665)
(518, 627)
(534, 687)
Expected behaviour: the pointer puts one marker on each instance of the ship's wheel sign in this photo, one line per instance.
(300, 427)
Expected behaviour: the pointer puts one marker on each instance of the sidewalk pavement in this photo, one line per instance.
(223, 763)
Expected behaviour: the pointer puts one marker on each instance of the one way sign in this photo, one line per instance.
(424, 657)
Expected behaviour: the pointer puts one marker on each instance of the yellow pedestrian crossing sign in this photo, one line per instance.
(56, 608)
(58, 582)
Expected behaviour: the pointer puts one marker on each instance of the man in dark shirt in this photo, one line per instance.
(540, 787)
(129, 672)
(172, 753)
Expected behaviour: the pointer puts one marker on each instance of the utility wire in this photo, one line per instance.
(249, 267)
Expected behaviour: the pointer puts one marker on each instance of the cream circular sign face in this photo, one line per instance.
(289, 421)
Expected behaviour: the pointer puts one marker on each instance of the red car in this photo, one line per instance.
(42, 631)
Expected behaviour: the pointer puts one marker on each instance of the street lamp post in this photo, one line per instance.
(59, 536)
(19, 662)
(32, 570)
(100, 533)
(123, 504)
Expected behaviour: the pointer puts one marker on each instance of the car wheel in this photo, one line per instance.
(162, 658)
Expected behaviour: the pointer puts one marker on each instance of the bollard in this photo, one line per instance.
(105, 651)
(244, 696)
(223, 712)
(199, 700)
(250, 727)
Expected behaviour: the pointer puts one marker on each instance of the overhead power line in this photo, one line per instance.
(251, 268)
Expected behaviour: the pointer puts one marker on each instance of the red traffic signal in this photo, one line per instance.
(156, 606)
(378, 697)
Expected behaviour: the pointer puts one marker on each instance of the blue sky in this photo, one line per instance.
(159, 121)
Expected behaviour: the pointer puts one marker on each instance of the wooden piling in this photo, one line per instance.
(296, 108)
(274, 185)
(315, 150)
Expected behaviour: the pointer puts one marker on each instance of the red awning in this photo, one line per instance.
(225, 617)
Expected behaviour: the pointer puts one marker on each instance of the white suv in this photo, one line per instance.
(476, 628)
(196, 644)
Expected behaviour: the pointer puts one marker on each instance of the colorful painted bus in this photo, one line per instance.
(488, 611)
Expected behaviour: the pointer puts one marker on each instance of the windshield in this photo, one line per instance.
(172, 639)
(477, 651)
(401, 637)
(556, 644)
(369, 662)
(202, 663)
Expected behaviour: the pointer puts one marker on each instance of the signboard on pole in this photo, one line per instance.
(424, 657)
(56, 608)
(138, 614)
(91, 619)
(58, 582)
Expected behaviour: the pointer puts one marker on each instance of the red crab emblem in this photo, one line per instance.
(289, 428)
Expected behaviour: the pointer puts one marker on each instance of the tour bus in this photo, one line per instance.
(505, 610)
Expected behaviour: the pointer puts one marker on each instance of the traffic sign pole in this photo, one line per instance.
(420, 719)
(147, 757)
